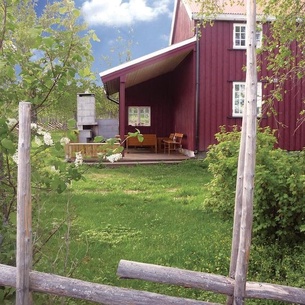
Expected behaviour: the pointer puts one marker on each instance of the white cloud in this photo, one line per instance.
(164, 37)
(122, 12)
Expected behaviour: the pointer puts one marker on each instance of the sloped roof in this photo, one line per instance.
(228, 8)
(146, 67)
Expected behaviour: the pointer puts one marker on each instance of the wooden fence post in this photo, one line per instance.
(24, 208)
(249, 165)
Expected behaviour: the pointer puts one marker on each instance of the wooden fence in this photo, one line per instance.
(25, 280)
(111, 295)
(88, 150)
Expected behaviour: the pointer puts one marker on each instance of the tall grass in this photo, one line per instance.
(150, 214)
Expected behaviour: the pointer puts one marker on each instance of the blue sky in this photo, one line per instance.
(146, 23)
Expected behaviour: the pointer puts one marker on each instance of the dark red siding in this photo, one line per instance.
(184, 101)
(184, 27)
(171, 98)
(220, 65)
(156, 93)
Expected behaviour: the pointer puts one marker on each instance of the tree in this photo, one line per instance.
(40, 57)
(283, 48)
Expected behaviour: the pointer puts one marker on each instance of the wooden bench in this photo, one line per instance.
(149, 140)
(88, 150)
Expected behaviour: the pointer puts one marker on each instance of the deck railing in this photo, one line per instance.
(88, 150)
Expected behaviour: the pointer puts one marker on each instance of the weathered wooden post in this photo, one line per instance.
(24, 208)
(246, 213)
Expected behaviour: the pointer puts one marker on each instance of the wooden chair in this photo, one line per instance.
(174, 144)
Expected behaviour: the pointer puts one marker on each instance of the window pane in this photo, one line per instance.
(239, 35)
(139, 116)
(239, 98)
(133, 116)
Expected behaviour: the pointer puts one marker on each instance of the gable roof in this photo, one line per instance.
(146, 67)
(228, 9)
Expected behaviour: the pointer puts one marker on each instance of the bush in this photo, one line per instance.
(279, 197)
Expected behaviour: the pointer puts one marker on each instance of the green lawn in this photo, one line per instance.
(150, 214)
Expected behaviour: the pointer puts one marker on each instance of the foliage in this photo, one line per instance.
(283, 51)
(279, 186)
(277, 264)
(150, 214)
(40, 57)
(113, 147)
(141, 213)
(104, 108)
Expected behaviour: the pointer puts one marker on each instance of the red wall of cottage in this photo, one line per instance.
(171, 98)
(157, 94)
(184, 101)
(220, 65)
(184, 27)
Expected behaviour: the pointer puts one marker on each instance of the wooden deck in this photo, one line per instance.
(137, 156)
(132, 156)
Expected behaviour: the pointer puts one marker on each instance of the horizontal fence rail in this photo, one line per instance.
(102, 294)
(88, 150)
(207, 281)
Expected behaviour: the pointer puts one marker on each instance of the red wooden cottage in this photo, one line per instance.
(194, 86)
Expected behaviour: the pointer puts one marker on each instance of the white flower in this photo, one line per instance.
(15, 157)
(54, 170)
(114, 157)
(64, 141)
(40, 131)
(11, 122)
(78, 159)
(33, 126)
(38, 141)
(48, 139)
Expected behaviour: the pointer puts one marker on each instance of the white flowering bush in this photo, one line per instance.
(49, 170)
(113, 152)
(114, 157)
(49, 173)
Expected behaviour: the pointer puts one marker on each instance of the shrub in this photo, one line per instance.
(279, 197)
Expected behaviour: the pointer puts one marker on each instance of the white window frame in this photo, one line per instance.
(239, 35)
(239, 95)
(139, 116)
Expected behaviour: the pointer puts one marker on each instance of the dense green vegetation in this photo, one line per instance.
(279, 197)
(151, 214)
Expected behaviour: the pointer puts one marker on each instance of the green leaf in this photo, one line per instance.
(48, 41)
(85, 72)
(63, 10)
(98, 139)
(77, 57)
(8, 144)
(76, 13)
(2, 64)
(140, 137)
(95, 38)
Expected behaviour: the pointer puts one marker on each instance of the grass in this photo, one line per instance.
(150, 214)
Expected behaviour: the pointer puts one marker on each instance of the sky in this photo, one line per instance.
(141, 26)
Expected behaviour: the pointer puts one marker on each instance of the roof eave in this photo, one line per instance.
(229, 17)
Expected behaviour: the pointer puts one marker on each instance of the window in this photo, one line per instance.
(239, 93)
(239, 36)
(139, 116)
